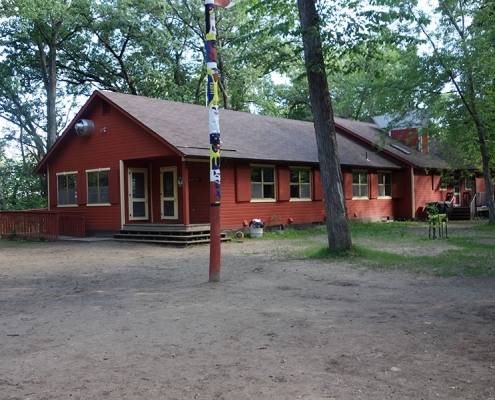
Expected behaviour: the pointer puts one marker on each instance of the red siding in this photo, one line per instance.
(199, 192)
(402, 194)
(424, 141)
(373, 185)
(243, 182)
(367, 209)
(347, 185)
(283, 183)
(426, 190)
(317, 185)
(398, 181)
(408, 136)
(115, 138)
(234, 213)
(480, 184)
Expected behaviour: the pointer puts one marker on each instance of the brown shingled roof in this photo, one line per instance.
(244, 135)
(372, 134)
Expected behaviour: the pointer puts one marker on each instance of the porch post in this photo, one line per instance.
(214, 129)
(185, 193)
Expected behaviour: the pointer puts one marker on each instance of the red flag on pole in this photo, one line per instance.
(223, 3)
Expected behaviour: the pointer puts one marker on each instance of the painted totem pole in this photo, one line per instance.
(214, 129)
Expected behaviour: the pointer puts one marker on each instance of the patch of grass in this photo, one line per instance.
(462, 255)
(471, 260)
(384, 230)
(484, 228)
(290, 233)
(6, 243)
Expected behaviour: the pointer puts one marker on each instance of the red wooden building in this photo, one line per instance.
(130, 160)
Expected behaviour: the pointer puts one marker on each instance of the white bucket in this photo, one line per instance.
(255, 232)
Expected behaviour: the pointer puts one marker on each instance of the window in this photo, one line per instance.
(300, 183)
(384, 184)
(263, 183)
(105, 108)
(98, 187)
(444, 183)
(67, 189)
(469, 183)
(360, 184)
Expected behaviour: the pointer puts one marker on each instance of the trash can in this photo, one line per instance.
(255, 232)
(256, 228)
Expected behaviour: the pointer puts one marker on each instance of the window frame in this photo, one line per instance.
(66, 174)
(263, 183)
(384, 184)
(359, 184)
(443, 185)
(300, 184)
(98, 204)
(471, 180)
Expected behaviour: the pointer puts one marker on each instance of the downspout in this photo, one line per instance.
(122, 196)
(150, 180)
(185, 193)
(48, 187)
(413, 195)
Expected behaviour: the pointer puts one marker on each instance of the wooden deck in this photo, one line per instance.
(167, 234)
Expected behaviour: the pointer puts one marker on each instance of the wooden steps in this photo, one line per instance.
(167, 234)
(460, 214)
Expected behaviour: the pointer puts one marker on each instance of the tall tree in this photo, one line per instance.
(462, 54)
(339, 235)
(33, 31)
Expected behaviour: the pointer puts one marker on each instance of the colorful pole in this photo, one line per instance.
(214, 128)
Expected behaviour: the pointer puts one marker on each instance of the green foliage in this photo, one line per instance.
(19, 189)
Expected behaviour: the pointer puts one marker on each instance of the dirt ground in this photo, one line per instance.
(108, 320)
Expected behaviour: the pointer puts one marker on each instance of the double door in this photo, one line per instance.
(139, 193)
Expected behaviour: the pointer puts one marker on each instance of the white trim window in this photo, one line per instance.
(300, 184)
(262, 182)
(360, 185)
(98, 189)
(469, 182)
(67, 189)
(384, 185)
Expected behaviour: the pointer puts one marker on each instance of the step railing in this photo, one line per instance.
(472, 206)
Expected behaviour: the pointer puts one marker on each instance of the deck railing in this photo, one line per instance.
(41, 224)
(478, 205)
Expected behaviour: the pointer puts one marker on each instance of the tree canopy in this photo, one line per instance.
(381, 56)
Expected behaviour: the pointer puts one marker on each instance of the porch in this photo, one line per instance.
(475, 207)
(479, 206)
(167, 234)
(470, 207)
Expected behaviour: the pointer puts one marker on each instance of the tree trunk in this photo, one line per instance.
(486, 174)
(339, 235)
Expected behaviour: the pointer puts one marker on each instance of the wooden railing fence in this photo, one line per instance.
(41, 224)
